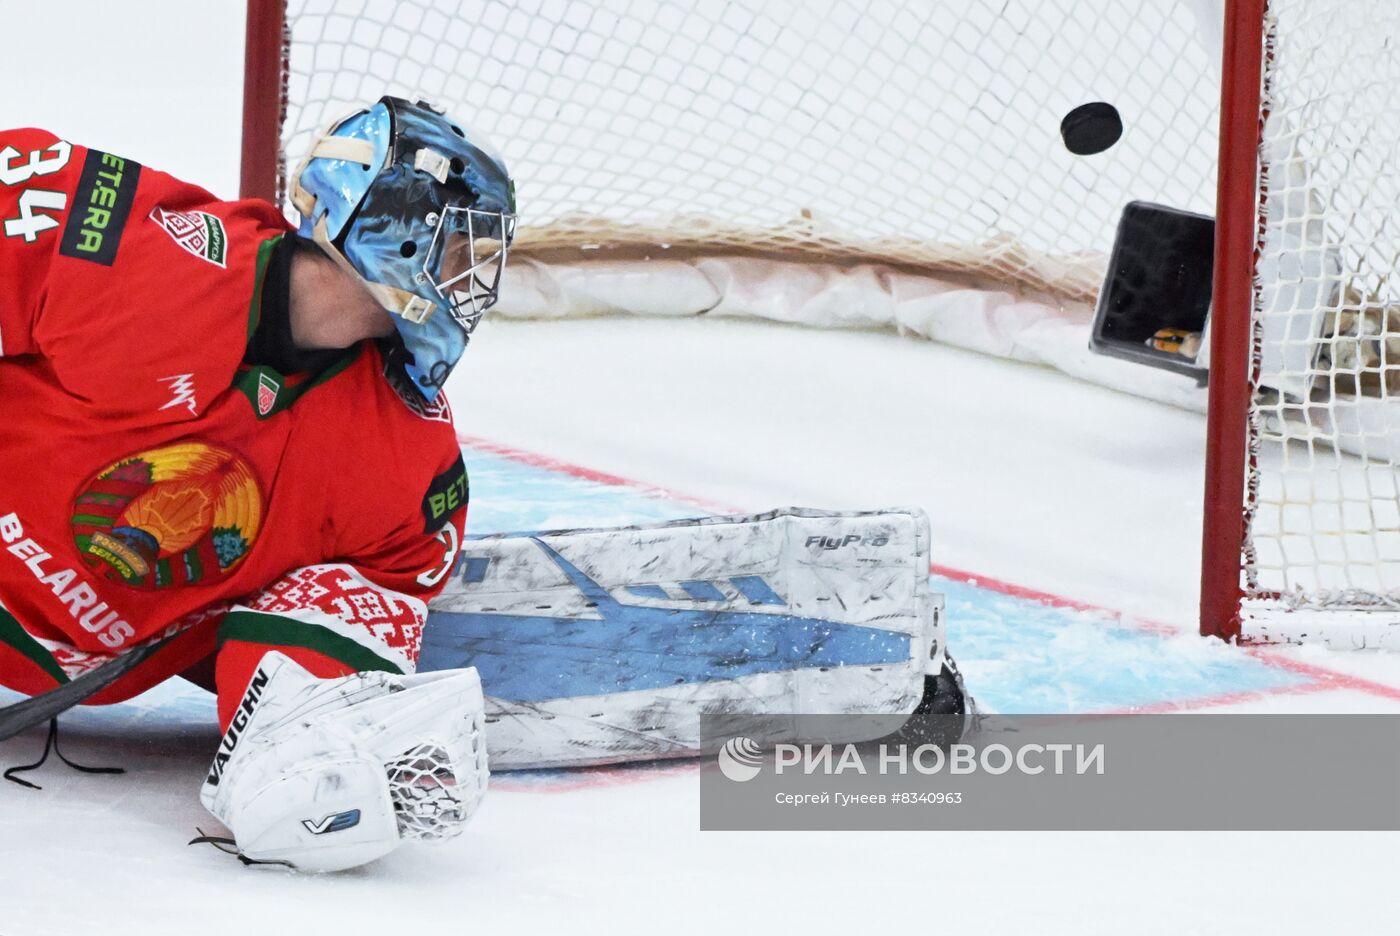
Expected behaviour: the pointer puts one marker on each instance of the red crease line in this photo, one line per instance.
(1323, 676)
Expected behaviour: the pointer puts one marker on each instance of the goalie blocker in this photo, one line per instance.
(601, 646)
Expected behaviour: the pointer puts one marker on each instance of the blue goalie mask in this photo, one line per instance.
(422, 211)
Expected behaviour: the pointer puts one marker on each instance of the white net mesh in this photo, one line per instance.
(918, 133)
(431, 801)
(1325, 506)
(926, 135)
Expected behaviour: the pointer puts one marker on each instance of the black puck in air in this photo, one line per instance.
(1091, 128)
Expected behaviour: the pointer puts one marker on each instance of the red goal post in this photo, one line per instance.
(1236, 238)
(264, 99)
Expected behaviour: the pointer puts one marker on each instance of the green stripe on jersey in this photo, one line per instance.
(15, 636)
(274, 630)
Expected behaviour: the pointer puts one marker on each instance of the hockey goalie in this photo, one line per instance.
(226, 454)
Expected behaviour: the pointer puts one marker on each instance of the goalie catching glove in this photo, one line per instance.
(328, 774)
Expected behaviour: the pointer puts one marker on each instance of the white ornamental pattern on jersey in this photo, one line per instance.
(198, 232)
(346, 602)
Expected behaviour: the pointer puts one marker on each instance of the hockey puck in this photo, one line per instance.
(1091, 128)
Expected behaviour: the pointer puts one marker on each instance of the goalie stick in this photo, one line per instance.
(38, 709)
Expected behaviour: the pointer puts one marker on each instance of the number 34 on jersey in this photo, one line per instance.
(17, 168)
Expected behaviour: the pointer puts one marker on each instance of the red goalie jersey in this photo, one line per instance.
(154, 482)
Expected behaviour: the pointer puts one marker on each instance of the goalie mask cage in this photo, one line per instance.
(923, 137)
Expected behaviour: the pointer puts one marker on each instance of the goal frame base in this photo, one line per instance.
(1271, 621)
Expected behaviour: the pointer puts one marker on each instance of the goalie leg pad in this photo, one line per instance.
(328, 774)
(606, 645)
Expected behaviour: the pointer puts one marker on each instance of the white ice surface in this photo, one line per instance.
(1029, 476)
(1042, 481)
(1012, 461)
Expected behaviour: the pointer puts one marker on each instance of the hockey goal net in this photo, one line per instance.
(679, 156)
(918, 135)
(1305, 429)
